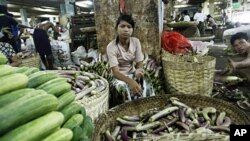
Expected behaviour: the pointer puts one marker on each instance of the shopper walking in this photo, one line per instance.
(42, 43)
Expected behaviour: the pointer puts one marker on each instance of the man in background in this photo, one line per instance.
(42, 42)
(200, 18)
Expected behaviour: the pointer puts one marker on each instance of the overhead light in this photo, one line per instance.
(44, 10)
(86, 3)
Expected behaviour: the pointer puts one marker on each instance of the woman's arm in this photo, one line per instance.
(241, 64)
(134, 86)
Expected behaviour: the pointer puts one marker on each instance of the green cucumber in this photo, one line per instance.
(74, 121)
(88, 127)
(57, 88)
(70, 110)
(3, 59)
(14, 95)
(48, 83)
(65, 99)
(40, 77)
(21, 69)
(31, 71)
(12, 82)
(6, 70)
(37, 129)
(24, 110)
(77, 133)
(62, 134)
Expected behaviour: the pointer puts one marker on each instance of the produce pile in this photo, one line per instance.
(153, 71)
(84, 83)
(176, 117)
(37, 105)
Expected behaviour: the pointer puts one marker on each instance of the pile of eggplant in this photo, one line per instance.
(153, 74)
(153, 71)
(84, 83)
(175, 117)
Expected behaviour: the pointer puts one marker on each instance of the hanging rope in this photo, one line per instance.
(122, 6)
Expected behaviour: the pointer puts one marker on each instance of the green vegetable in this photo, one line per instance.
(24, 110)
(65, 99)
(74, 121)
(39, 78)
(70, 110)
(88, 127)
(62, 134)
(6, 70)
(3, 59)
(12, 82)
(35, 130)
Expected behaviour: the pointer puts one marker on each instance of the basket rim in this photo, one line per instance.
(105, 120)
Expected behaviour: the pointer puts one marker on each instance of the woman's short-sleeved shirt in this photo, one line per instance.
(118, 56)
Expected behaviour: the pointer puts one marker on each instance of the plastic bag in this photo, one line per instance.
(175, 43)
(61, 53)
(79, 54)
(201, 48)
(30, 45)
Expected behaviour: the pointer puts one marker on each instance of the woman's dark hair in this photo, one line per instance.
(239, 35)
(127, 18)
(209, 16)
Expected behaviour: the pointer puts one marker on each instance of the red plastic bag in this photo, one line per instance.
(175, 43)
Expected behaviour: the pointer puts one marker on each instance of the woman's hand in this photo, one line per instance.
(135, 87)
(139, 73)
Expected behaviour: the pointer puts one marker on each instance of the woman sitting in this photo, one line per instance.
(125, 58)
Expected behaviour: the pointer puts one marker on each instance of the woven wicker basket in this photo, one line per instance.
(108, 120)
(184, 76)
(31, 61)
(97, 104)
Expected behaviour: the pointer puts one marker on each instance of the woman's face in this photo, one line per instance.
(241, 45)
(124, 29)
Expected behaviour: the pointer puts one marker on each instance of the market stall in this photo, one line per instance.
(81, 99)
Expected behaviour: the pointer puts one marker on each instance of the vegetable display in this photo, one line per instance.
(175, 117)
(153, 71)
(32, 110)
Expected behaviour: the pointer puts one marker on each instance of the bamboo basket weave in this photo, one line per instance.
(108, 121)
(184, 76)
(33, 61)
(97, 104)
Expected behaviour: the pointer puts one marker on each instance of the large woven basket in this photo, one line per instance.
(96, 104)
(33, 61)
(108, 120)
(184, 76)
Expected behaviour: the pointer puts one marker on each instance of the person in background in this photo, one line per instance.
(9, 28)
(200, 18)
(211, 22)
(10, 54)
(125, 58)
(181, 18)
(42, 42)
(186, 16)
(241, 45)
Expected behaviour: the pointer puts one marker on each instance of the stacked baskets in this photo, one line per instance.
(184, 75)
(108, 121)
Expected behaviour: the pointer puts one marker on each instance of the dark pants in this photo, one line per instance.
(43, 47)
(201, 27)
